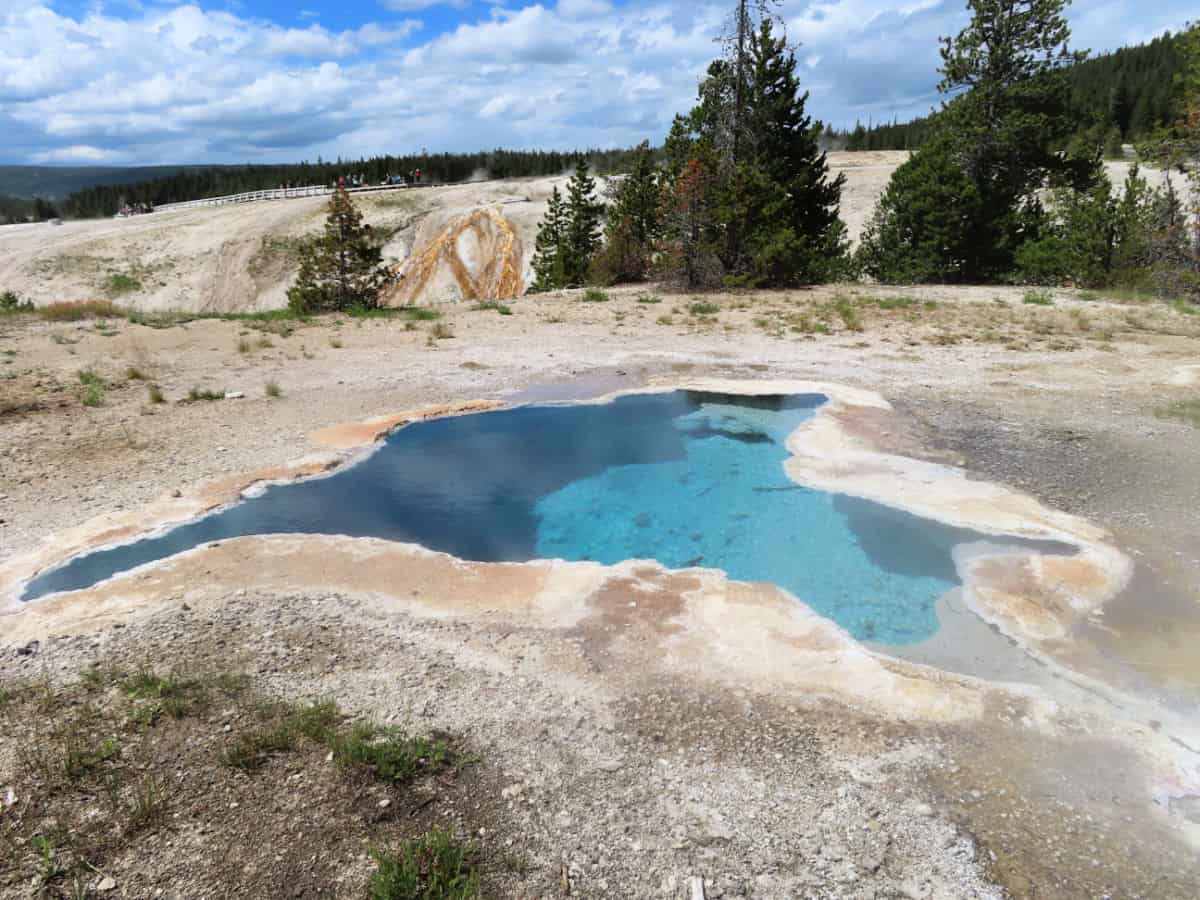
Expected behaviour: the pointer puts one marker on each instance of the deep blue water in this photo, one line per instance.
(686, 478)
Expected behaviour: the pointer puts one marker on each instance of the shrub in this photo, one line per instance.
(10, 302)
(156, 395)
(594, 295)
(700, 308)
(272, 389)
(204, 394)
(921, 229)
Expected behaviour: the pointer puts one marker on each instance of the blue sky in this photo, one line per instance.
(146, 82)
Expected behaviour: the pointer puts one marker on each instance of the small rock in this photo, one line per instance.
(234, 395)
(107, 883)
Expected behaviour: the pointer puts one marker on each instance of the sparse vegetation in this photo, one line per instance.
(155, 394)
(1038, 298)
(594, 295)
(272, 390)
(701, 308)
(494, 305)
(1186, 411)
(197, 393)
(133, 373)
(441, 331)
(77, 310)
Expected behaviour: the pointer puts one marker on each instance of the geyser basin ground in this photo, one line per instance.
(688, 478)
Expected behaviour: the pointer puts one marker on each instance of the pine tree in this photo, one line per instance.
(548, 273)
(781, 208)
(340, 269)
(581, 235)
(632, 223)
(1009, 115)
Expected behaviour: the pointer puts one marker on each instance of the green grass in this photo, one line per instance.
(92, 388)
(649, 298)
(120, 283)
(389, 754)
(493, 305)
(197, 393)
(1038, 298)
(594, 295)
(432, 867)
(844, 307)
(702, 308)
(1187, 411)
(414, 313)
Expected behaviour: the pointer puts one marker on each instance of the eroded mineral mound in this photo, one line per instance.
(476, 255)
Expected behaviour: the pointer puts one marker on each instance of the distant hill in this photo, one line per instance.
(58, 182)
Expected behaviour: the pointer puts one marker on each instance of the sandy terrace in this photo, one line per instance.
(630, 773)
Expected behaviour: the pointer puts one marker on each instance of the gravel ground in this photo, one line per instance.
(637, 788)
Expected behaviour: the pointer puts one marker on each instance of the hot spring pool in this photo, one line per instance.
(686, 478)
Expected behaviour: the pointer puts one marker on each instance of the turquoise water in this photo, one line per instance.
(728, 504)
(687, 478)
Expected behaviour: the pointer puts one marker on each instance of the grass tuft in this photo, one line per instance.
(197, 393)
(390, 754)
(703, 308)
(595, 295)
(92, 388)
(432, 867)
(273, 390)
(118, 283)
(1038, 298)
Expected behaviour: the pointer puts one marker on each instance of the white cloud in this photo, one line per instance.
(76, 153)
(189, 84)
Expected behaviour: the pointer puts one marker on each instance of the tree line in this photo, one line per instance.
(1125, 94)
(740, 194)
(1006, 186)
(218, 181)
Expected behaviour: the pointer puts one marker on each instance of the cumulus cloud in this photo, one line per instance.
(186, 83)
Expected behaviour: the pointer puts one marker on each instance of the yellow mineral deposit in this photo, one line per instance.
(476, 256)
